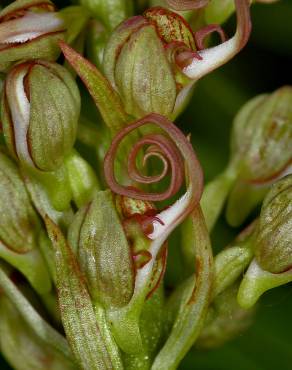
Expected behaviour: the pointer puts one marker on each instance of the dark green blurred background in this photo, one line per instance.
(263, 66)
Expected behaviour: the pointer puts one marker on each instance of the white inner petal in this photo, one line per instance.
(30, 26)
(20, 112)
(170, 217)
(212, 59)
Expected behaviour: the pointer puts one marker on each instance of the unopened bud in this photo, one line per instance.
(274, 238)
(261, 149)
(136, 64)
(271, 266)
(98, 238)
(262, 136)
(19, 224)
(40, 111)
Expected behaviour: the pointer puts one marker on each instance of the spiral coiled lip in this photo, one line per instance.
(174, 152)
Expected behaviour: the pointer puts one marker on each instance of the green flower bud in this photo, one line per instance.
(20, 228)
(19, 224)
(263, 124)
(274, 237)
(29, 29)
(136, 64)
(153, 60)
(97, 236)
(261, 150)
(271, 266)
(40, 110)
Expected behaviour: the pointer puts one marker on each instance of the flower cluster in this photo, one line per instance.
(88, 208)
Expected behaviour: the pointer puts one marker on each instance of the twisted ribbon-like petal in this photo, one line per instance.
(207, 60)
(173, 149)
(206, 31)
(169, 151)
(160, 146)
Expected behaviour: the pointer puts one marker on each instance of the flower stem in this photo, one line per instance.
(215, 195)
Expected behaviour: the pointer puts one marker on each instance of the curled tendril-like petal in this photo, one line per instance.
(168, 152)
(216, 56)
(154, 151)
(172, 151)
(149, 274)
(187, 4)
(206, 31)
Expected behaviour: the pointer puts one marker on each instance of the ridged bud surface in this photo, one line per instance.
(40, 111)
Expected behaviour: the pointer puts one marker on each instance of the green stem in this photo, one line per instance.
(43, 204)
(108, 338)
(56, 185)
(215, 195)
(188, 250)
(257, 281)
(31, 265)
(82, 179)
(73, 180)
(229, 265)
(192, 312)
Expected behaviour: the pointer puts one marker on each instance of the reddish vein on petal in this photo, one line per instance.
(206, 31)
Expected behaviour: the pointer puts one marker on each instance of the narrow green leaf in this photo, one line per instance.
(105, 98)
(20, 345)
(216, 193)
(40, 327)
(193, 310)
(77, 312)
